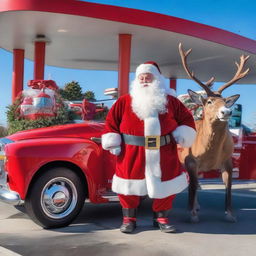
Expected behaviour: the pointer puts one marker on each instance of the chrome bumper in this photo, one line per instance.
(9, 197)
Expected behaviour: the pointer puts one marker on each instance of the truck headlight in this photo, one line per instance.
(3, 159)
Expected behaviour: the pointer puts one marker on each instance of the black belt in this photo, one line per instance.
(149, 142)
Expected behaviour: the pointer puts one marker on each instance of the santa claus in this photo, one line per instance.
(143, 129)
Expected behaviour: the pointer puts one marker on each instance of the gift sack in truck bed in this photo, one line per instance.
(39, 100)
(196, 110)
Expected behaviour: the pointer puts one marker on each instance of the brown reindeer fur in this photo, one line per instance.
(213, 146)
(212, 149)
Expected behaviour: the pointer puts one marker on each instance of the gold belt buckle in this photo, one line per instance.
(152, 142)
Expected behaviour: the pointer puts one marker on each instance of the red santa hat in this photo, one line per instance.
(148, 67)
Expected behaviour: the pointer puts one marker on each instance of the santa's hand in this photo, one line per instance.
(184, 135)
(115, 150)
(179, 140)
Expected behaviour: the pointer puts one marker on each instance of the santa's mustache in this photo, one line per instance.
(145, 85)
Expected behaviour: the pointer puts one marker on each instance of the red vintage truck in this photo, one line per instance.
(54, 170)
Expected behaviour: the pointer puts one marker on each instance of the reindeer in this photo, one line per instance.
(213, 146)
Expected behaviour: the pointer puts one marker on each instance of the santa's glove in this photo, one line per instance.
(184, 135)
(115, 150)
(179, 139)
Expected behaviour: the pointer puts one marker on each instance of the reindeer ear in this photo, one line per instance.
(230, 101)
(196, 98)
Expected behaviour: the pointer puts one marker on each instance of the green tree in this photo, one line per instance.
(72, 91)
(89, 95)
(3, 131)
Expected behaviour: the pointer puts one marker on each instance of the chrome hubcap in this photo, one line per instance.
(58, 198)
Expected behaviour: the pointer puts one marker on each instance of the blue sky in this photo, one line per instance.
(237, 16)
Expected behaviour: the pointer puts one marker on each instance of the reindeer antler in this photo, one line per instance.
(239, 74)
(205, 86)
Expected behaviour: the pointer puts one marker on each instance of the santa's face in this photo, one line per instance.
(145, 79)
(148, 95)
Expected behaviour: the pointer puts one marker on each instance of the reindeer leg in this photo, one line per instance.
(191, 167)
(227, 180)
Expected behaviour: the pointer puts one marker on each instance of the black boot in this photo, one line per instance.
(129, 220)
(161, 221)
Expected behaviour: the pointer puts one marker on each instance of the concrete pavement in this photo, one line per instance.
(96, 230)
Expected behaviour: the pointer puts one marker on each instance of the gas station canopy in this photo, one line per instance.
(84, 35)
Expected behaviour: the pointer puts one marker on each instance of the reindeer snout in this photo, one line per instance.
(224, 113)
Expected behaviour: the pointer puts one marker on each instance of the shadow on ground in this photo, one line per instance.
(108, 216)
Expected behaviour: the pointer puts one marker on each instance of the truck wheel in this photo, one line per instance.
(55, 198)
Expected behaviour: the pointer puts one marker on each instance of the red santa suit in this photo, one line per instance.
(141, 171)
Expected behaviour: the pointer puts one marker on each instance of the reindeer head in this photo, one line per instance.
(215, 107)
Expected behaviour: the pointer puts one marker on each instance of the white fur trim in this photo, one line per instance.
(110, 140)
(155, 187)
(184, 135)
(161, 189)
(153, 162)
(152, 165)
(151, 186)
(152, 126)
(115, 151)
(147, 68)
(129, 186)
(171, 92)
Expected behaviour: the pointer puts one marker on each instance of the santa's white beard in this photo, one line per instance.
(150, 100)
